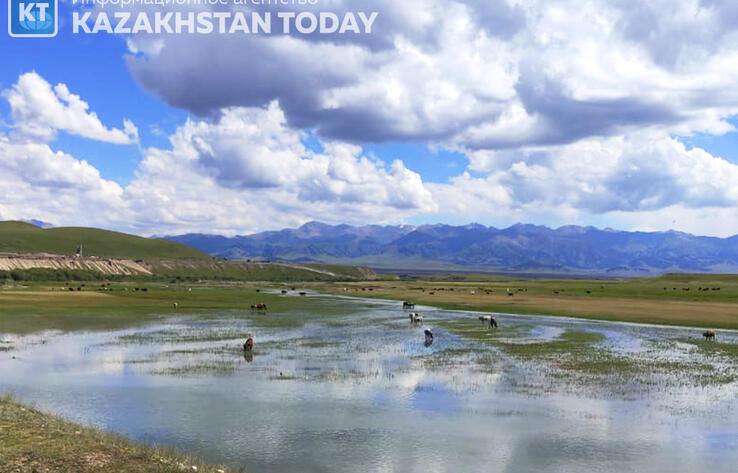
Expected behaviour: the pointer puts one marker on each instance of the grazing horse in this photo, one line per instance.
(259, 306)
(709, 335)
(249, 345)
(408, 305)
(428, 337)
(488, 319)
(415, 317)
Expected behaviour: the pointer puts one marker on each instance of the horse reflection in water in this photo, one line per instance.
(248, 350)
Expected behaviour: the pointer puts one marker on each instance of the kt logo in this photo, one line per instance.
(33, 18)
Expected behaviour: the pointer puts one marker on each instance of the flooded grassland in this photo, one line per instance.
(341, 384)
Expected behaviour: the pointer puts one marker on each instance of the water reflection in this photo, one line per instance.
(362, 392)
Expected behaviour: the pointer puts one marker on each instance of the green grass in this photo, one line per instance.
(204, 368)
(579, 356)
(51, 306)
(20, 237)
(31, 441)
(170, 336)
(713, 347)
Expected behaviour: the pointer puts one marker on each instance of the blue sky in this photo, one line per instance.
(94, 67)
(68, 59)
(454, 127)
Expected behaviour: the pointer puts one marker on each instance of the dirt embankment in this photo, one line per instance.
(99, 265)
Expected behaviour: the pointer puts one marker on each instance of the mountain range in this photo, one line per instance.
(520, 248)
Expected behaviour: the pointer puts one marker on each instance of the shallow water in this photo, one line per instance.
(357, 390)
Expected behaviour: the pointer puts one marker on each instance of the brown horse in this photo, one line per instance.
(259, 306)
(249, 345)
(709, 335)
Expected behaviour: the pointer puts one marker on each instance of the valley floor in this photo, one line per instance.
(709, 301)
(33, 441)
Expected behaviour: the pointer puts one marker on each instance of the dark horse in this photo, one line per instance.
(709, 335)
(259, 306)
(408, 305)
(428, 338)
(488, 318)
(249, 345)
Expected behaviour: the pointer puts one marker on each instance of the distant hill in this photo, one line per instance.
(21, 237)
(520, 248)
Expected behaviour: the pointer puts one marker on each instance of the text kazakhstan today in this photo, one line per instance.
(223, 22)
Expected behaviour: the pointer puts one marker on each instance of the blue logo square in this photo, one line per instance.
(33, 18)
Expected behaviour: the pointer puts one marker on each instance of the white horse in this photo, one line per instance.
(415, 317)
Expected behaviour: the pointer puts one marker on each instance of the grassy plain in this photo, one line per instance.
(684, 299)
(26, 308)
(34, 307)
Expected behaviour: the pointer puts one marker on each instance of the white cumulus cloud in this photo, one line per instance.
(39, 111)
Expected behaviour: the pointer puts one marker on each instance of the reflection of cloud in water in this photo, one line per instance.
(435, 397)
(366, 395)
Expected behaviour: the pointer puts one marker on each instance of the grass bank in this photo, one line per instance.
(31, 441)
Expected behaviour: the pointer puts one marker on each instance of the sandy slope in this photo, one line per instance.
(101, 265)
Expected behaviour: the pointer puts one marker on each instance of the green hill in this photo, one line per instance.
(21, 237)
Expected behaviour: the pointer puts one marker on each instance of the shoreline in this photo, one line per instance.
(32, 440)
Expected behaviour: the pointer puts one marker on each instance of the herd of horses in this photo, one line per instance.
(416, 318)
